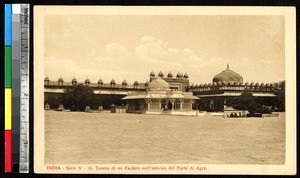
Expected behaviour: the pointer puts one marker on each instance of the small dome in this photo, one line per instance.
(192, 86)
(124, 82)
(227, 76)
(257, 84)
(60, 79)
(136, 83)
(146, 83)
(262, 84)
(201, 85)
(196, 86)
(170, 75)
(46, 78)
(112, 82)
(160, 74)
(152, 74)
(100, 82)
(74, 80)
(252, 84)
(179, 75)
(205, 85)
(158, 84)
(87, 81)
(246, 84)
(185, 75)
(219, 83)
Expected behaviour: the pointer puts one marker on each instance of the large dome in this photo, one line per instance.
(228, 76)
(158, 84)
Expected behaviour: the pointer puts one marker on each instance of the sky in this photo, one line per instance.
(130, 47)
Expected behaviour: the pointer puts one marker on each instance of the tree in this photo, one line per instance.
(78, 97)
(280, 96)
(247, 102)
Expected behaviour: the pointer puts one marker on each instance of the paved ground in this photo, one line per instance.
(102, 138)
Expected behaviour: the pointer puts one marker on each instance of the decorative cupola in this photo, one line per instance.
(220, 83)
(201, 85)
(179, 75)
(160, 74)
(87, 81)
(136, 84)
(196, 86)
(74, 81)
(209, 85)
(246, 84)
(100, 82)
(46, 80)
(152, 74)
(185, 76)
(60, 81)
(124, 83)
(146, 83)
(170, 75)
(112, 83)
(252, 84)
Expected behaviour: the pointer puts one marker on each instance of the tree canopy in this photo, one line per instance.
(78, 97)
(247, 102)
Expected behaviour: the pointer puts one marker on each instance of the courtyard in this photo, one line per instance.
(105, 138)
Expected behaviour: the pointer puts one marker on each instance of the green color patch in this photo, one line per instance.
(8, 61)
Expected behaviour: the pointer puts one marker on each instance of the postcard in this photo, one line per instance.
(164, 90)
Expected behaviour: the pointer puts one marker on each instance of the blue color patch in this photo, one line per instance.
(7, 25)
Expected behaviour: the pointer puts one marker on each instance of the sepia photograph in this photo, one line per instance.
(164, 90)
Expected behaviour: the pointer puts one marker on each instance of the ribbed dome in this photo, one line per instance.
(170, 75)
(46, 78)
(158, 85)
(228, 76)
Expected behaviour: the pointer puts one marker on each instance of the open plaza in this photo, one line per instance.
(107, 138)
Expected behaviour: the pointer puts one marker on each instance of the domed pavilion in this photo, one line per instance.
(225, 87)
(160, 99)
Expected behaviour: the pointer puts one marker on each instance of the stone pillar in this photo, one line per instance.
(192, 102)
(225, 106)
(148, 101)
(173, 103)
(181, 101)
(159, 103)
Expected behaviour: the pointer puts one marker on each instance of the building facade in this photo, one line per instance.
(168, 92)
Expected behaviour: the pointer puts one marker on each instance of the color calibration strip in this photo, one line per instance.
(8, 96)
(17, 88)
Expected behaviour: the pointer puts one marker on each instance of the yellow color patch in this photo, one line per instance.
(8, 110)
